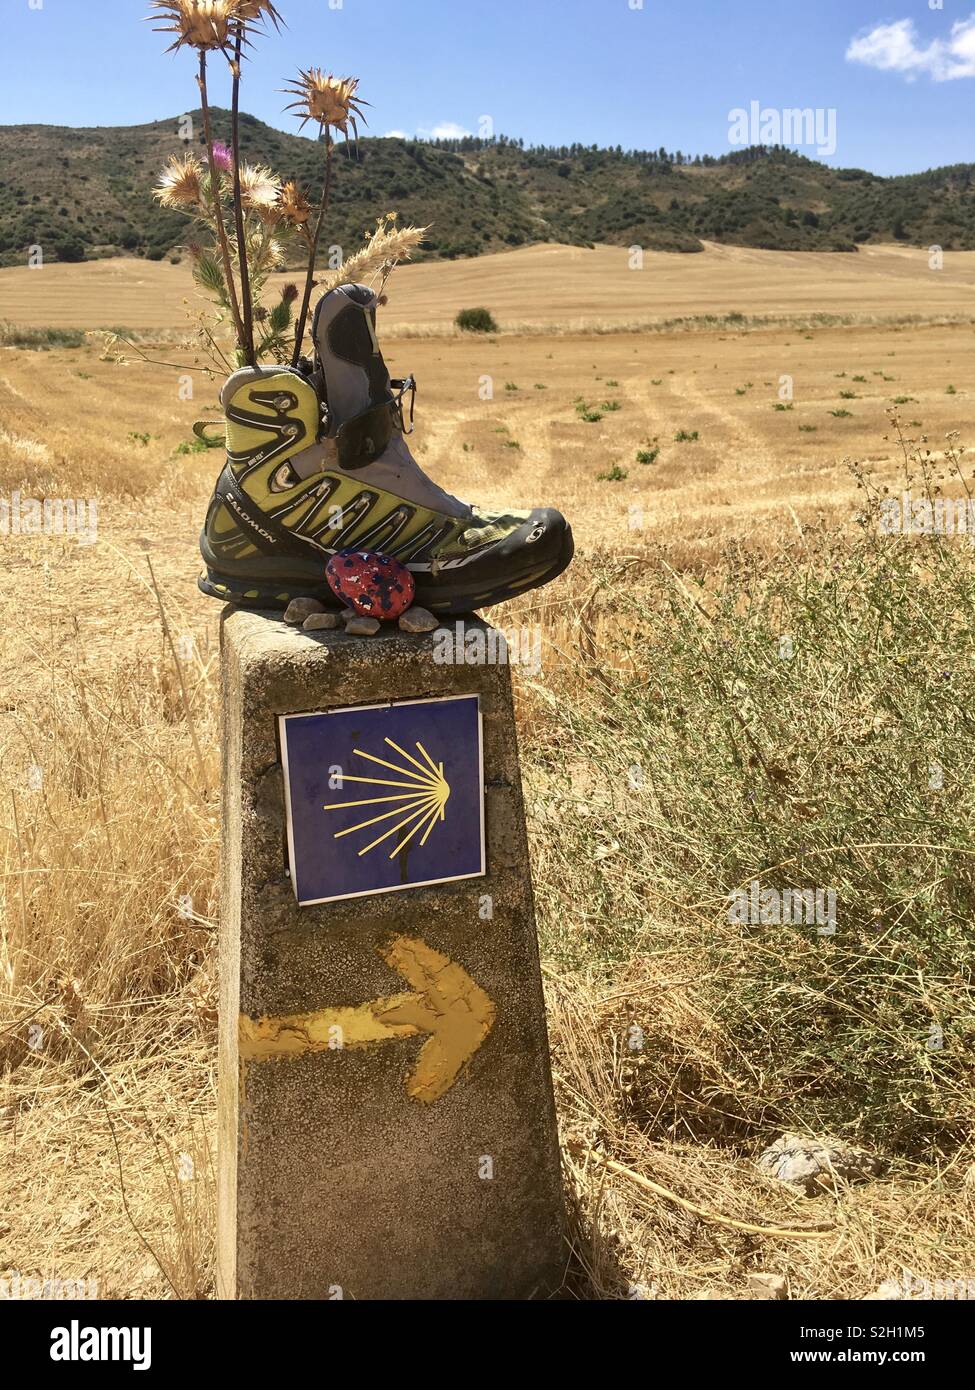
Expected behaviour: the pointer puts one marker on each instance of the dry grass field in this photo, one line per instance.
(657, 646)
(564, 288)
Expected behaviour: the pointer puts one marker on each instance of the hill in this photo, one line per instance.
(86, 193)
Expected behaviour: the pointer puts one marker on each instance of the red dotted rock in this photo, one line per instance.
(377, 586)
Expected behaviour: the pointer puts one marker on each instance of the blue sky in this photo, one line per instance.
(899, 74)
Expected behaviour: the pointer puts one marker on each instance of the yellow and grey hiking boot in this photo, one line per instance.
(317, 462)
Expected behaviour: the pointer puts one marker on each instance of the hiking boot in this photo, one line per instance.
(317, 463)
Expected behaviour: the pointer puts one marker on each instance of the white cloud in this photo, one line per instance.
(446, 130)
(897, 47)
(396, 135)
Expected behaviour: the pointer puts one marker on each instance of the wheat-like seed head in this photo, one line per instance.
(331, 101)
(384, 250)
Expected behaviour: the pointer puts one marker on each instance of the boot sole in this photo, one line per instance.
(446, 598)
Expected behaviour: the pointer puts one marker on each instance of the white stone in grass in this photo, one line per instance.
(889, 1291)
(301, 608)
(816, 1165)
(768, 1286)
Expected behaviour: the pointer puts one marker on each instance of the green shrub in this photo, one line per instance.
(70, 250)
(476, 321)
(40, 339)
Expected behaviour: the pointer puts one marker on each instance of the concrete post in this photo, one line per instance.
(387, 1125)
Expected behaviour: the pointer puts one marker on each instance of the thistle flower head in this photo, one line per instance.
(223, 156)
(201, 24)
(260, 187)
(179, 184)
(294, 206)
(331, 101)
(251, 10)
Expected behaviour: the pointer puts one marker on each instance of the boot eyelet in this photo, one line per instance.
(290, 431)
(283, 479)
(284, 402)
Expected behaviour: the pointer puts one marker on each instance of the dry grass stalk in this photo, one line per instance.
(388, 246)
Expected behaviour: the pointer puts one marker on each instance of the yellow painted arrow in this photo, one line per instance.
(447, 1005)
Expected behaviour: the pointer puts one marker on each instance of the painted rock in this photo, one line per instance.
(374, 585)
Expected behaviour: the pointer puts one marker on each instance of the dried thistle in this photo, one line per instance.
(181, 183)
(270, 256)
(202, 24)
(331, 101)
(251, 10)
(294, 205)
(260, 187)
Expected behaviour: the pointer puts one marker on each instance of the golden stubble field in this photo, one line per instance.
(108, 718)
(544, 286)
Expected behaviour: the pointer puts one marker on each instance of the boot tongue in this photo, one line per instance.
(398, 472)
(356, 378)
(344, 329)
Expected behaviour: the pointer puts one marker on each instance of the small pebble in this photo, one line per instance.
(322, 622)
(362, 627)
(772, 1286)
(301, 608)
(418, 620)
(889, 1290)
